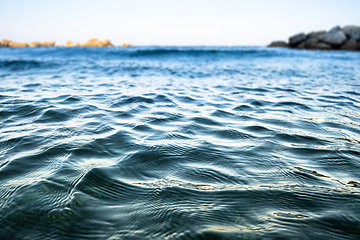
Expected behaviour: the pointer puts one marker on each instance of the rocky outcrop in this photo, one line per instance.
(350, 44)
(278, 44)
(42, 44)
(9, 43)
(333, 38)
(346, 38)
(72, 44)
(126, 45)
(297, 39)
(94, 42)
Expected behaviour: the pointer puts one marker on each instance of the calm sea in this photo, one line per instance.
(179, 143)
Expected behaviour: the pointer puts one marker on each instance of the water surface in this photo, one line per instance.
(179, 143)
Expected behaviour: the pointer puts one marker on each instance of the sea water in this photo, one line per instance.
(179, 143)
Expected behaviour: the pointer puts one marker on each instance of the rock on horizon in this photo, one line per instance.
(337, 38)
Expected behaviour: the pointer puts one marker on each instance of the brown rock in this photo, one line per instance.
(126, 45)
(106, 43)
(34, 44)
(17, 44)
(94, 42)
(48, 44)
(350, 44)
(72, 44)
(4, 43)
(278, 44)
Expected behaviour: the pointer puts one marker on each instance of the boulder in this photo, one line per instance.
(315, 34)
(350, 44)
(301, 45)
(335, 29)
(346, 38)
(355, 34)
(333, 38)
(94, 42)
(16, 44)
(48, 44)
(34, 44)
(297, 39)
(278, 44)
(106, 43)
(314, 44)
(4, 43)
(42, 44)
(126, 45)
(348, 30)
(311, 43)
(72, 44)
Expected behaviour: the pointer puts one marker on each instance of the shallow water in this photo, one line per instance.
(179, 143)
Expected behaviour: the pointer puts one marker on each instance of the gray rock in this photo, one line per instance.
(350, 44)
(297, 39)
(310, 42)
(315, 34)
(348, 29)
(352, 32)
(315, 44)
(278, 44)
(335, 29)
(333, 38)
(301, 45)
(355, 34)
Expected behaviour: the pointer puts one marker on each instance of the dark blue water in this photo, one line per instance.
(179, 143)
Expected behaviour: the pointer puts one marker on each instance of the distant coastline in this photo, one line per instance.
(93, 42)
(337, 38)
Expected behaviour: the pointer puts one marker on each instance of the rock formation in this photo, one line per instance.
(346, 38)
(126, 45)
(94, 42)
(9, 43)
(72, 44)
(279, 44)
(42, 44)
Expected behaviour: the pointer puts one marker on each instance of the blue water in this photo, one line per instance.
(179, 143)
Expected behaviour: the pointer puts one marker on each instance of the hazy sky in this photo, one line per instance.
(170, 22)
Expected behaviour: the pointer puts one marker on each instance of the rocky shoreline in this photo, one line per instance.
(94, 42)
(337, 38)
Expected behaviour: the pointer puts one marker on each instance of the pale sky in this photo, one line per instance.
(168, 22)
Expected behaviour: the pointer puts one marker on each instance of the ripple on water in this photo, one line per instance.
(219, 143)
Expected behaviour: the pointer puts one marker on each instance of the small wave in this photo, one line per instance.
(202, 52)
(178, 143)
(18, 65)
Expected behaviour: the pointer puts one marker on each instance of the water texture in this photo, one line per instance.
(179, 143)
